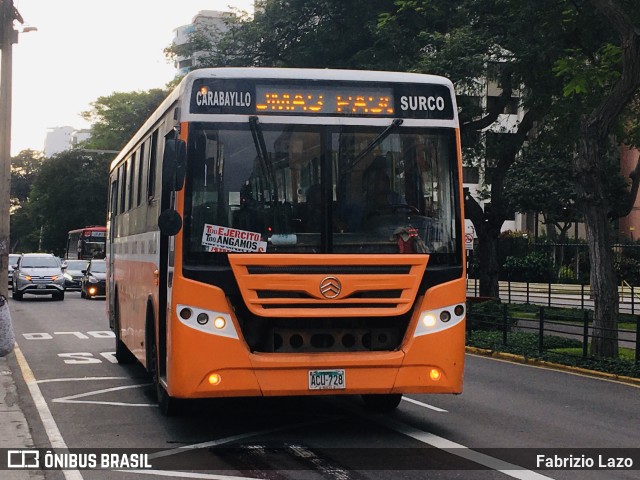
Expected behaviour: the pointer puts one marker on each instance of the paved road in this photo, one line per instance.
(75, 396)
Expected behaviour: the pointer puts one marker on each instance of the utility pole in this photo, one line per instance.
(8, 36)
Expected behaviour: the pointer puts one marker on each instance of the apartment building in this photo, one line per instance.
(207, 22)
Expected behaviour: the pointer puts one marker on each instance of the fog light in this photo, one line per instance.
(186, 313)
(219, 323)
(429, 320)
(435, 374)
(202, 318)
(445, 316)
(214, 379)
(92, 290)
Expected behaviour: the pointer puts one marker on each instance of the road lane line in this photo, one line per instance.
(72, 398)
(80, 379)
(205, 476)
(425, 405)
(459, 450)
(233, 438)
(50, 426)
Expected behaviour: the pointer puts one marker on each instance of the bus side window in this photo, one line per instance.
(151, 172)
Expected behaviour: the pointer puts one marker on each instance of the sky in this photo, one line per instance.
(85, 49)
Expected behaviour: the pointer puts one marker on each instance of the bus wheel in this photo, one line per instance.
(169, 406)
(123, 354)
(383, 402)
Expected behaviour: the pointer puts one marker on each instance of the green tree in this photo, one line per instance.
(296, 33)
(24, 169)
(115, 118)
(608, 80)
(69, 192)
(511, 43)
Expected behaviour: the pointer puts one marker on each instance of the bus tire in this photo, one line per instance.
(123, 354)
(169, 406)
(382, 403)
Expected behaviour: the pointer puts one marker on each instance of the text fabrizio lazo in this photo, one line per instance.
(576, 462)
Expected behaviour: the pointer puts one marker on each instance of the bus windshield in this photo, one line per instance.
(321, 189)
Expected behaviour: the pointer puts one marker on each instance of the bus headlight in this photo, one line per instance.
(436, 320)
(201, 319)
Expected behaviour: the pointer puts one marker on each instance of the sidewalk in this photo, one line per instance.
(14, 430)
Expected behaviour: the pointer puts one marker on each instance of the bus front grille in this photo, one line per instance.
(325, 303)
(328, 285)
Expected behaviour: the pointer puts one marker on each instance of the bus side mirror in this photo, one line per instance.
(174, 164)
(169, 222)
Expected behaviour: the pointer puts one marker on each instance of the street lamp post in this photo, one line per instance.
(8, 36)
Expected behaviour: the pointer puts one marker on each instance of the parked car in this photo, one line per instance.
(13, 259)
(38, 274)
(94, 280)
(73, 273)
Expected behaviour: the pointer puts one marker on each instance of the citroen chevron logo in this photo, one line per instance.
(330, 287)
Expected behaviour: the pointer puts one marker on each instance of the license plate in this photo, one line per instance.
(42, 286)
(327, 379)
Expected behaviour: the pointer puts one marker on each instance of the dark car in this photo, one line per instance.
(94, 280)
(38, 274)
(13, 259)
(73, 273)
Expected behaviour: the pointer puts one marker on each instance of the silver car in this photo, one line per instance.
(38, 274)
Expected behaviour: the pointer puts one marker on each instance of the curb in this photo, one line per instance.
(15, 431)
(511, 357)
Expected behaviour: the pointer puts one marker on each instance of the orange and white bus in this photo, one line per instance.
(278, 232)
(86, 243)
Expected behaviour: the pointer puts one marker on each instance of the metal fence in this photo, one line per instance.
(548, 325)
(523, 261)
(559, 294)
(552, 281)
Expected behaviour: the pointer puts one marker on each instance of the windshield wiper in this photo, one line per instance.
(263, 156)
(376, 141)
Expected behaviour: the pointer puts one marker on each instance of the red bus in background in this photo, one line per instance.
(86, 243)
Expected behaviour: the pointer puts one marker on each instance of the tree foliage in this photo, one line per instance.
(298, 33)
(24, 170)
(69, 192)
(115, 118)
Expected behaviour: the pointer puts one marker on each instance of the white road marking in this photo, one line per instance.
(460, 450)
(233, 438)
(81, 379)
(206, 476)
(72, 398)
(213, 443)
(50, 426)
(425, 405)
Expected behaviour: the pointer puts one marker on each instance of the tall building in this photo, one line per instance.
(59, 139)
(210, 23)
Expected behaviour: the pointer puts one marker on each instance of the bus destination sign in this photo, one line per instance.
(227, 96)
